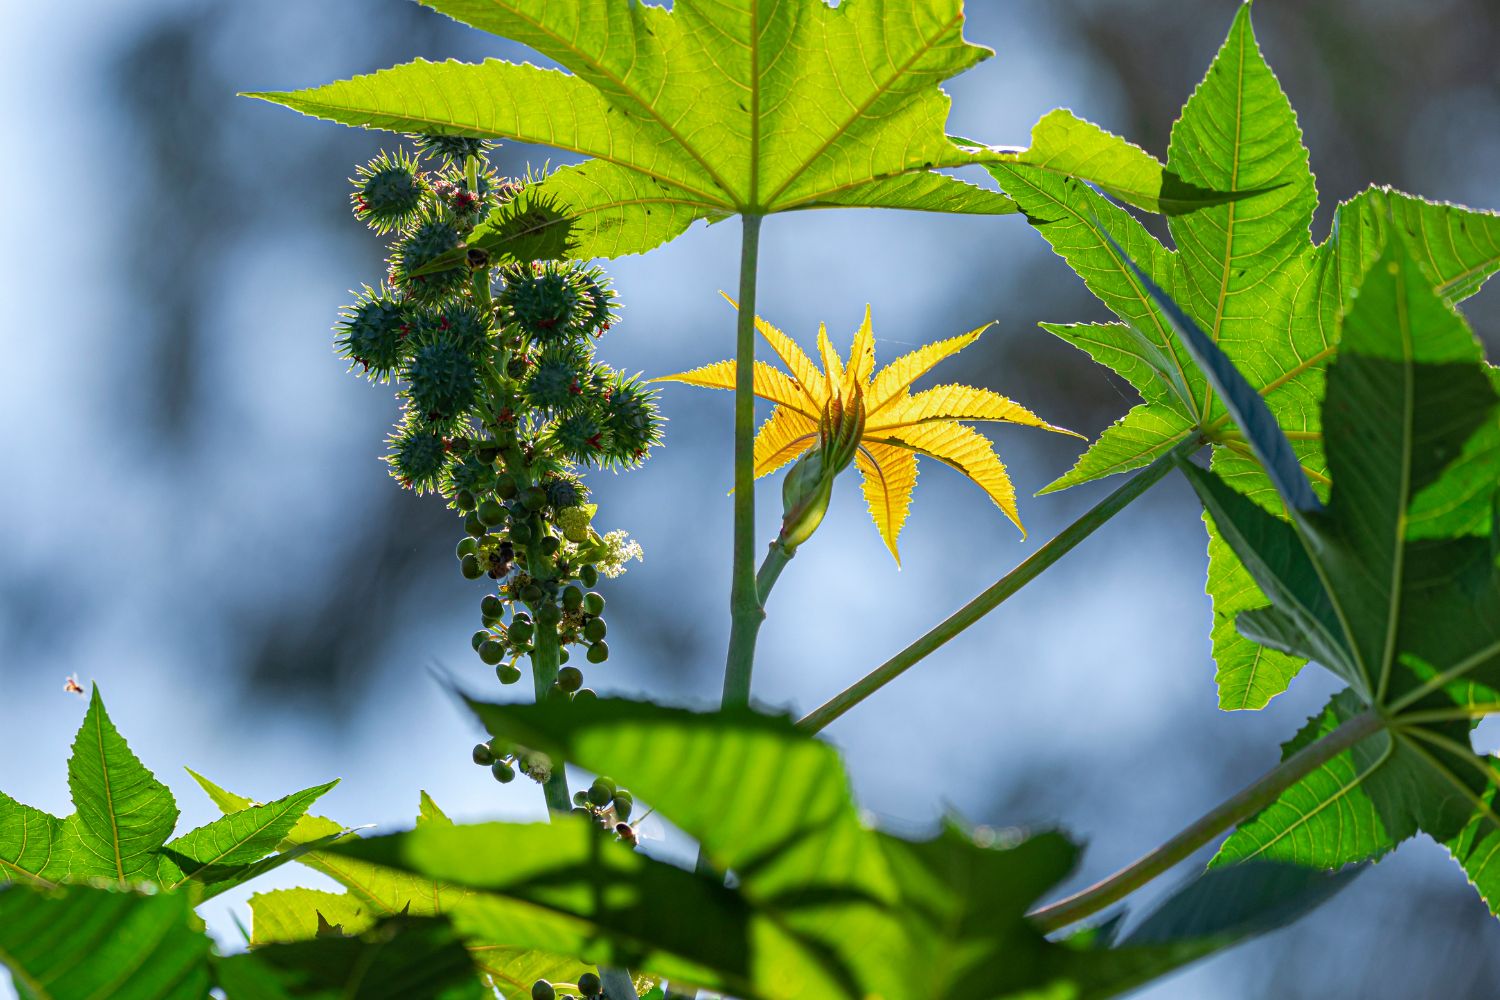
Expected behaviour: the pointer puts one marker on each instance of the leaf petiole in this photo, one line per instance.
(1233, 810)
(1000, 591)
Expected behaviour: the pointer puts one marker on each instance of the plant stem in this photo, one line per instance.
(1233, 810)
(544, 663)
(997, 593)
(770, 570)
(745, 605)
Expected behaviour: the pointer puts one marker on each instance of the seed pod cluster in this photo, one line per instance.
(608, 806)
(504, 407)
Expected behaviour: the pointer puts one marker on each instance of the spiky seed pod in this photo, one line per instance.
(374, 334)
(632, 422)
(547, 303)
(429, 238)
(417, 457)
(388, 191)
(564, 492)
(553, 383)
(452, 148)
(461, 325)
(580, 437)
(599, 297)
(442, 383)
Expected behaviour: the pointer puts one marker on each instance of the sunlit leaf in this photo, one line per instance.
(1247, 272)
(698, 112)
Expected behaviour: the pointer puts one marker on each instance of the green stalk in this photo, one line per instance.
(544, 657)
(770, 570)
(745, 607)
(997, 593)
(1231, 812)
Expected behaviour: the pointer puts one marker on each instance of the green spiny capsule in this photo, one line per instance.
(548, 614)
(492, 607)
(503, 772)
(508, 673)
(491, 651)
(589, 575)
(572, 598)
(593, 629)
(387, 191)
(467, 546)
(624, 802)
(570, 679)
(373, 334)
(542, 990)
(598, 652)
(482, 755)
(602, 792)
(593, 603)
(473, 525)
(418, 456)
(589, 984)
(491, 514)
(470, 567)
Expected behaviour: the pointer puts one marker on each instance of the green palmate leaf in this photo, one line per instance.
(700, 112)
(1247, 272)
(123, 813)
(123, 819)
(1412, 623)
(402, 957)
(819, 904)
(226, 849)
(373, 893)
(1066, 145)
(82, 942)
(28, 840)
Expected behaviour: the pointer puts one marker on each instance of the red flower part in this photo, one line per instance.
(595, 442)
(574, 388)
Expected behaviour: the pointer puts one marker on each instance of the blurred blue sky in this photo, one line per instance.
(189, 464)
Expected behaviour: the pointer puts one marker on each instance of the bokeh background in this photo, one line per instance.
(194, 514)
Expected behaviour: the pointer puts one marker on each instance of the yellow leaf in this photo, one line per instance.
(804, 373)
(888, 474)
(957, 402)
(861, 358)
(895, 377)
(770, 383)
(782, 438)
(969, 452)
(833, 368)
